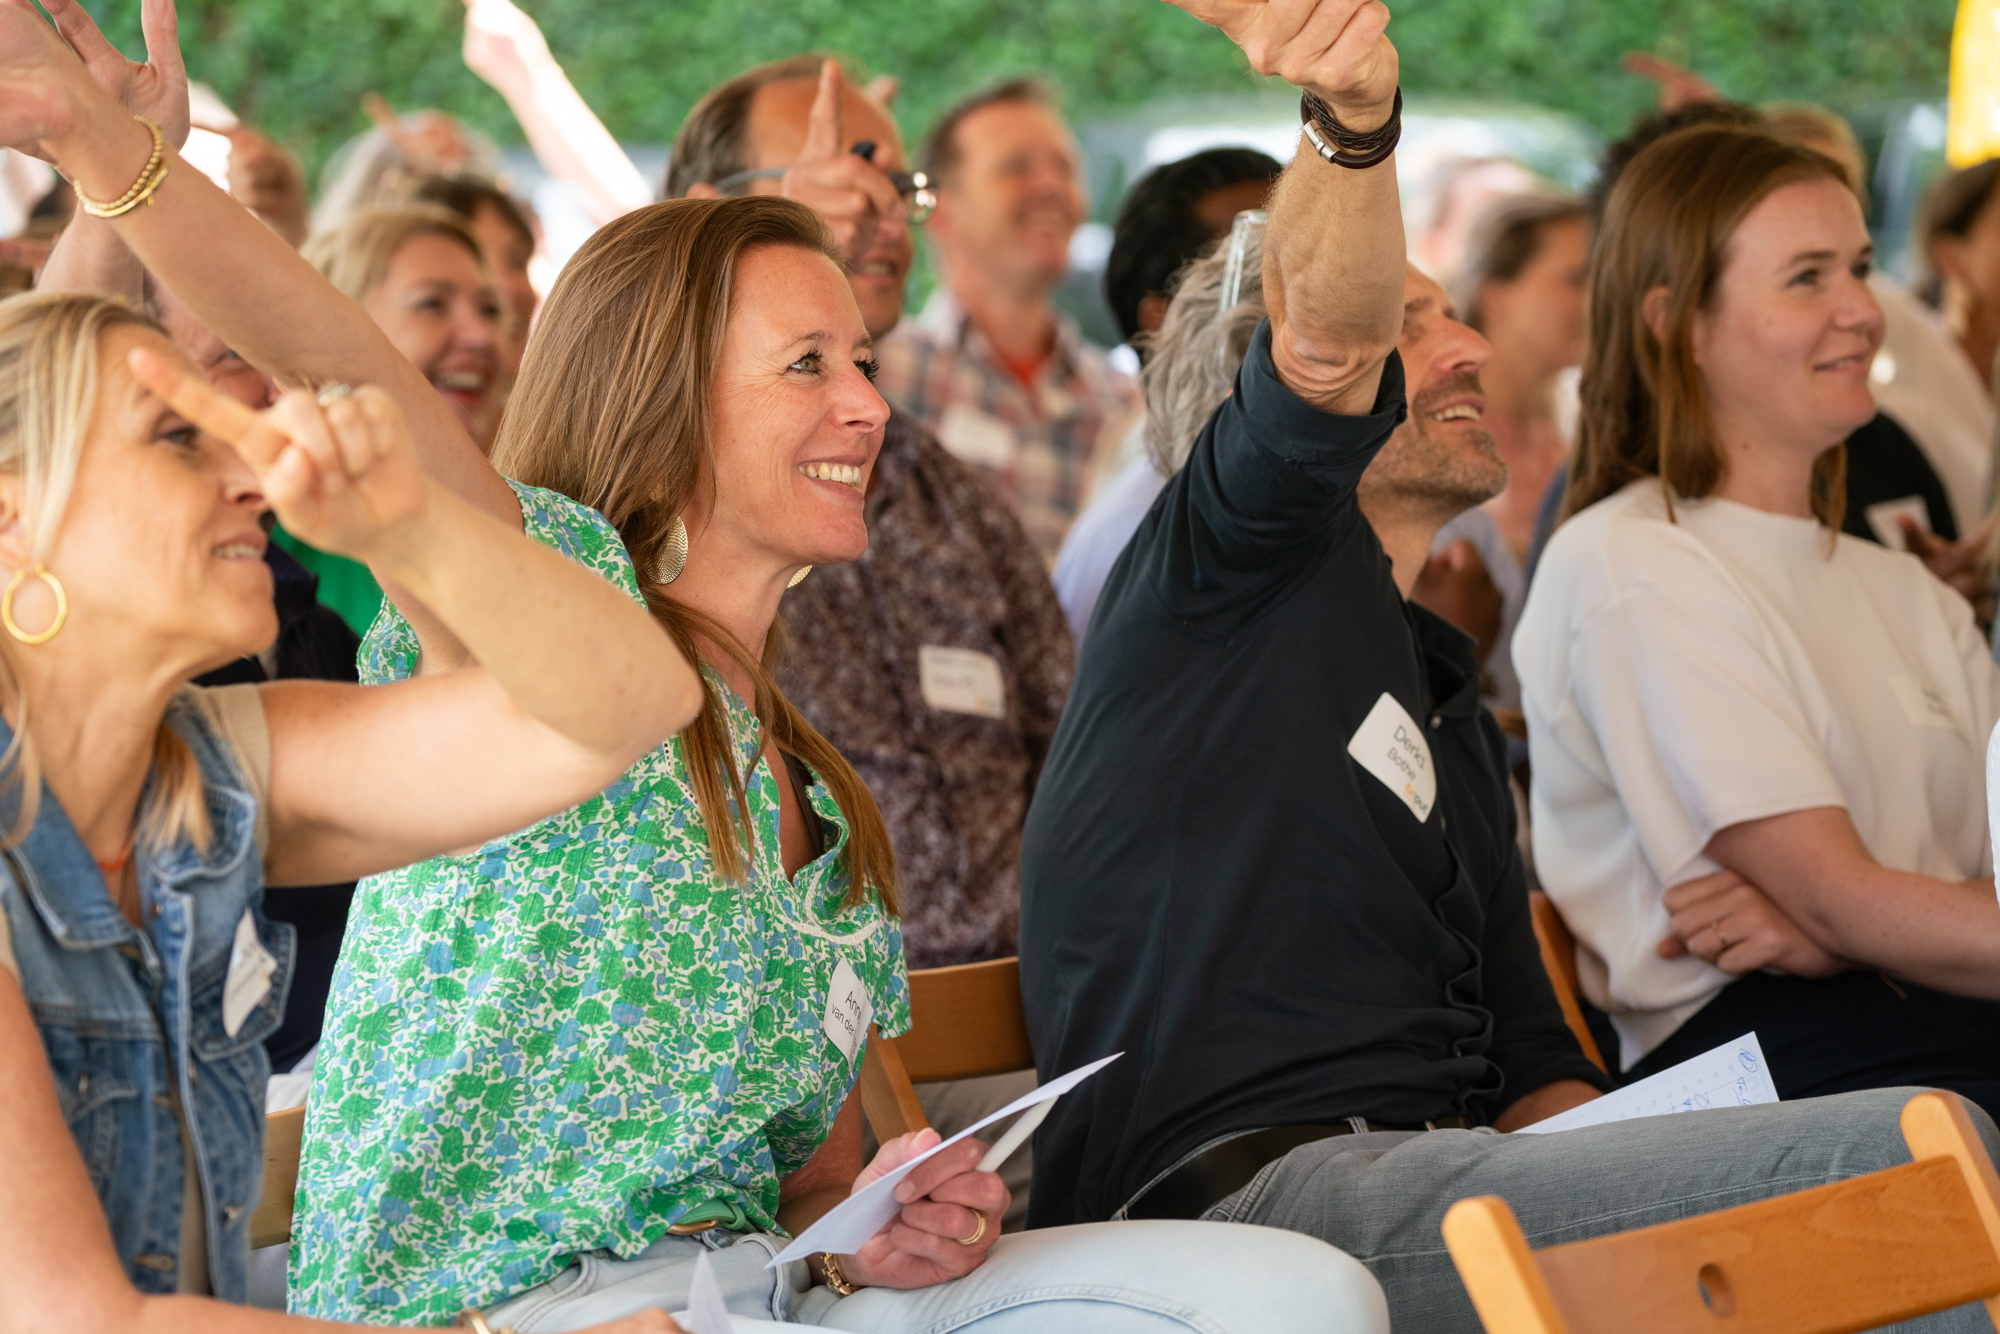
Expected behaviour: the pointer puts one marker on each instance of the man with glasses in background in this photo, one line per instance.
(938, 663)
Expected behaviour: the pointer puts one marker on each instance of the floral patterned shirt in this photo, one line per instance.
(570, 1038)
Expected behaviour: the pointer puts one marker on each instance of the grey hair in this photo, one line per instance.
(1191, 362)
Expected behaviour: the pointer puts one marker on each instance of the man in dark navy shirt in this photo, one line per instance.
(1271, 857)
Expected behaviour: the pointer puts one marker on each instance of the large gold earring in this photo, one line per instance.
(7, 604)
(674, 558)
(800, 577)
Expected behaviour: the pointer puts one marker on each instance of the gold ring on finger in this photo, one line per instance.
(332, 393)
(977, 1232)
(1716, 926)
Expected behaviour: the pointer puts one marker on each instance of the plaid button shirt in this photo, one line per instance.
(1036, 442)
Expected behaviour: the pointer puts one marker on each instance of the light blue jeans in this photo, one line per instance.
(1106, 1278)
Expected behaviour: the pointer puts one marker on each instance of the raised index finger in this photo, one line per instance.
(823, 126)
(219, 415)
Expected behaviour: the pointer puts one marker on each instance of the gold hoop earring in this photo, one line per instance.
(800, 577)
(7, 604)
(674, 558)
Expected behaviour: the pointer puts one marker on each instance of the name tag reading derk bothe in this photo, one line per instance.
(1390, 745)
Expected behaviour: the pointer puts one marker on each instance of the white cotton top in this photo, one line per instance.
(1680, 678)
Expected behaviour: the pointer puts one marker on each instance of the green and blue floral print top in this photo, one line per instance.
(570, 1038)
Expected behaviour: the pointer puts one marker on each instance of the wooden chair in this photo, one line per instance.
(1559, 959)
(965, 1022)
(1854, 1255)
(284, 1132)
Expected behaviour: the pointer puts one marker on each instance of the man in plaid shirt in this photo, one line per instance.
(991, 367)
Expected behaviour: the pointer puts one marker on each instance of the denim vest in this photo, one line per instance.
(131, 1020)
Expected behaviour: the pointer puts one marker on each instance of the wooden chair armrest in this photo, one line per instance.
(887, 1095)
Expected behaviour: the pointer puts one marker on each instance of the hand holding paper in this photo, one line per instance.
(1732, 1075)
(936, 1191)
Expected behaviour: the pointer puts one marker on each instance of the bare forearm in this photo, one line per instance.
(539, 623)
(1333, 278)
(574, 145)
(89, 257)
(262, 299)
(1545, 1102)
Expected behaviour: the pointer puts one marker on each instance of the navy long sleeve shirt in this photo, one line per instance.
(1212, 885)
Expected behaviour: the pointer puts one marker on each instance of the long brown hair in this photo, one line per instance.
(1668, 224)
(613, 410)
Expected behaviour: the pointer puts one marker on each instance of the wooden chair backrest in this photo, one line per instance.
(1858, 1254)
(965, 1022)
(1559, 959)
(284, 1133)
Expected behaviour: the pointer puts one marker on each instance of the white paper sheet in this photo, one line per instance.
(706, 1313)
(847, 1227)
(1732, 1075)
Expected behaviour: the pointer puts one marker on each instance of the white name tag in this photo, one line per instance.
(250, 969)
(977, 437)
(1390, 745)
(848, 1011)
(1884, 520)
(1924, 704)
(961, 680)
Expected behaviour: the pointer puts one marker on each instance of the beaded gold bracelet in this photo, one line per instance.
(142, 189)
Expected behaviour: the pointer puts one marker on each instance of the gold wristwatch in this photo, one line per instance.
(829, 1273)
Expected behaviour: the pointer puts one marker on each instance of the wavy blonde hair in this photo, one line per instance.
(49, 375)
(613, 409)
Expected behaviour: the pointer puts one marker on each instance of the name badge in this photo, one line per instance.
(1924, 704)
(848, 1011)
(961, 680)
(1390, 745)
(250, 970)
(977, 437)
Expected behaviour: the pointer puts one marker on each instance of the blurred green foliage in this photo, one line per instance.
(298, 68)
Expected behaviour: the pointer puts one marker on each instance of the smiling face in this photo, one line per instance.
(1014, 197)
(796, 422)
(1786, 341)
(436, 306)
(508, 252)
(160, 542)
(780, 115)
(1441, 460)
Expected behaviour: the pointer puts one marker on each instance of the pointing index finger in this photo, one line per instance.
(823, 127)
(221, 416)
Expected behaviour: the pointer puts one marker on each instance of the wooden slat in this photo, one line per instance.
(966, 1022)
(284, 1132)
(1559, 960)
(1936, 1125)
(1499, 1271)
(887, 1098)
(1853, 1255)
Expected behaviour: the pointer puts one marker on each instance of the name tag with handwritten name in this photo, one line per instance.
(961, 680)
(848, 1011)
(1390, 745)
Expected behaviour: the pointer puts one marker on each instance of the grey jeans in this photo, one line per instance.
(1382, 1197)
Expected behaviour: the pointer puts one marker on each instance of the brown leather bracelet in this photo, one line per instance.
(1349, 148)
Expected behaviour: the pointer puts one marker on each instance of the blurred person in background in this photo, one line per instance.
(1521, 285)
(1458, 192)
(1171, 216)
(505, 231)
(937, 662)
(991, 367)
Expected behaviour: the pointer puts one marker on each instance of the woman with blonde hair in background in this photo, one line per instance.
(1716, 679)
(561, 1066)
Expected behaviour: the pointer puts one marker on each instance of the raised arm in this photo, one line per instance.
(240, 278)
(575, 680)
(1334, 252)
(504, 47)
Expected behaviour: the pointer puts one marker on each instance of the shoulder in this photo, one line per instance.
(1622, 543)
(578, 531)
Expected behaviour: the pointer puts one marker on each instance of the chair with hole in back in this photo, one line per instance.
(965, 1022)
(284, 1133)
(1857, 1254)
(1559, 960)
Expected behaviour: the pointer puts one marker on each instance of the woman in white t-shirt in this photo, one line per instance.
(1757, 745)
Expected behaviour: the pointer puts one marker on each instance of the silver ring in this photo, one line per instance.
(332, 393)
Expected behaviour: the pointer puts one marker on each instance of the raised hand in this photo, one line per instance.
(1337, 49)
(156, 89)
(344, 477)
(1679, 87)
(850, 193)
(944, 1201)
(1730, 923)
(38, 81)
(503, 45)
